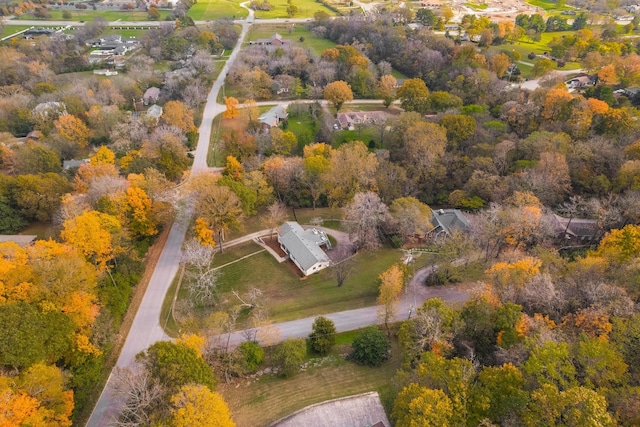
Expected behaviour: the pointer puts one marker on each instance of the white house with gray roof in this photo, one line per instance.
(304, 247)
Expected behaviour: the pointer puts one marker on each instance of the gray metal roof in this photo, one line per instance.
(303, 245)
(449, 219)
(273, 116)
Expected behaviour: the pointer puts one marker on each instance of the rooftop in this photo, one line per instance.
(304, 244)
(20, 239)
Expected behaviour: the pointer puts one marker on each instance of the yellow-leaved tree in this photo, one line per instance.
(142, 221)
(232, 108)
(196, 405)
(72, 129)
(203, 232)
(103, 156)
(93, 234)
(391, 285)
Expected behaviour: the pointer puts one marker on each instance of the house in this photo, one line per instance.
(113, 44)
(151, 95)
(19, 239)
(431, 4)
(37, 32)
(304, 247)
(347, 121)
(68, 164)
(446, 221)
(452, 27)
(574, 228)
(273, 117)
(581, 81)
(155, 111)
(275, 40)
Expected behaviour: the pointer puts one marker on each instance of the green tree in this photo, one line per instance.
(459, 127)
(414, 95)
(420, 406)
(323, 336)
(542, 67)
(498, 394)
(175, 365)
(10, 220)
(252, 356)
(599, 364)
(549, 363)
(370, 347)
(38, 196)
(289, 355)
(440, 101)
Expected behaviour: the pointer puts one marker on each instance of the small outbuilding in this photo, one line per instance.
(304, 247)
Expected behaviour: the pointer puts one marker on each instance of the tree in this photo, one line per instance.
(175, 365)
(232, 108)
(370, 347)
(366, 214)
(140, 393)
(459, 127)
(72, 129)
(197, 405)
(542, 67)
(323, 336)
(499, 394)
(220, 207)
(387, 88)
(289, 355)
(391, 284)
(441, 101)
(93, 234)
(175, 113)
(411, 216)
(38, 196)
(420, 406)
(203, 233)
(414, 95)
(139, 211)
(252, 356)
(277, 213)
(338, 92)
(203, 277)
(352, 170)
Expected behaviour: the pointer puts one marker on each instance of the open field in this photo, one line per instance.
(258, 403)
(306, 9)
(548, 5)
(210, 10)
(109, 15)
(12, 29)
(291, 32)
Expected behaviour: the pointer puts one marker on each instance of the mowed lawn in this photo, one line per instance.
(109, 15)
(306, 9)
(258, 403)
(291, 32)
(287, 295)
(210, 10)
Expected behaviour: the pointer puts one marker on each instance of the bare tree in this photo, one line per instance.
(343, 263)
(139, 393)
(365, 215)
(203, 278)
(277, 213)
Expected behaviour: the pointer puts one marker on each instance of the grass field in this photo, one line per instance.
(547, 5)
(306, 9)
(477, 6)
(109, 15)
(210, 10)
(291, 32)
(12, 29)
(258, 403)
(287, 295)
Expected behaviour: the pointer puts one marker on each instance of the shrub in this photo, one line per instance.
(252, 356)
(370, 347)
(289, 355)
(323, 336)
(532, 55)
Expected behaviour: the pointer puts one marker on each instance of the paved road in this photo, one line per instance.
(348, 320)
(146, 328)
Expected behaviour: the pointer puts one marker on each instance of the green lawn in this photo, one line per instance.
(292, 32)
(287, 295)
(12, 29)
(210, 10)
(547, 5)
(476, 6)
(109, 15)
(124, 33)
(306, 9)
(258, 403)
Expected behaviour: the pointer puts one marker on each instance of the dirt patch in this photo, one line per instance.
(272, 242)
